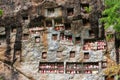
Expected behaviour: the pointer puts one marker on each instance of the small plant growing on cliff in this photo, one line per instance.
(109, 36)
(88, 9)
(1, 12)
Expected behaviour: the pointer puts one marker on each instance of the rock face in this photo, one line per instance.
(51, 31)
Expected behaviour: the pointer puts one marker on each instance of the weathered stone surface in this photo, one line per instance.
(2, 30)
(1, 67)
(32, 51)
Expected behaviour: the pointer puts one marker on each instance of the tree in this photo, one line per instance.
(112, 14)
(111, 17)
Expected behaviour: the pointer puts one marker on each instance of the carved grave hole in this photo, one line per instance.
(54, 36)
(51, 67)
(67, 26)
(72, 54)
(61, 36)
(86, 55)
(37, 39)
(70, 11)
(48, 23)
(44, 55)
(13, 29)
(77, 40)
(50, 11)
(58, 24)
(25, 16)
(25, 36)
(2, 39)
(84, 6)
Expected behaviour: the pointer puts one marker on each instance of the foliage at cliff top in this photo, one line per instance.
(1, 12)
(112, 14)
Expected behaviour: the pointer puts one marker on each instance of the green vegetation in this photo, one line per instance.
(111, 17)
(88, 9)
(109, 36)
(1, 78)
(1, 12)
(112, 14)
(118, 76)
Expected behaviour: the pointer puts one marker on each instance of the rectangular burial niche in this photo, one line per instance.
(25, 16)
(2, 39)
(86, 22)
(37, 39)
(68, 37)
(74, 68)
(104, 64)
(49, 23)
(58, 21)
(61, 36)
(84, 6)
(67, 26)
(13, 29)
(90, 67)
(72, 54)
(91, 33)
(58, 24)
(94, 44)
(44, 55)
(50, 11)
(77, 40)
(54, 36)
(86, 55)
(25, 36)
(109, 78)
(70, 11)
(51, 67)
